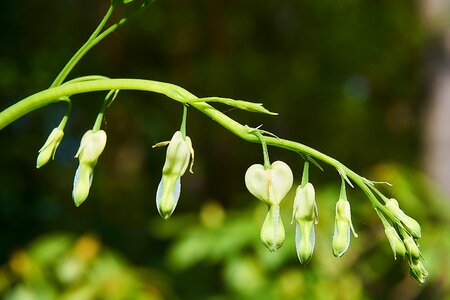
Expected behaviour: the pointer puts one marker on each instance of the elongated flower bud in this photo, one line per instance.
(398, 248)
(48, 151)
(411, 248)
(409, 223)
(272, 231)
(178, 155)
(418, 271)
(91, 146)
(342, 226)
(269, 185)
(305, 214)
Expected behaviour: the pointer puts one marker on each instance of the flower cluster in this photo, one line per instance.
(402, 236)
(270, 185)
(91, 146)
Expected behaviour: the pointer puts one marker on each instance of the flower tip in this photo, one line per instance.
(48, 150)
(272, 231)
(167, 196)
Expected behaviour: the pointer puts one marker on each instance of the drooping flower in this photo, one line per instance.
(305, 215)
(48, 151)
(342, 226)
(270, 186)
(91, 146)
(178, 155)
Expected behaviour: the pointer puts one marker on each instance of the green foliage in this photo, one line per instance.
(61, 266)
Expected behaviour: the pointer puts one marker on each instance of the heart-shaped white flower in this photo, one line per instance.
(269, 185)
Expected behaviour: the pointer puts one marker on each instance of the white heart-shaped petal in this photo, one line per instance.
(269, 185)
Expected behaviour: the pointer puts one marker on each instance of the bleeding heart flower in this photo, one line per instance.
(269, 185)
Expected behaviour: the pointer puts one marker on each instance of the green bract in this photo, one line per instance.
(91, 146)
(305, 215)
(179, 153)
(48, 151)
(269, 185)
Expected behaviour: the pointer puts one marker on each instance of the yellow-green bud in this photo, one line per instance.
(409, 223)
(269, 185)
(48, 151)
(342, 226)
(396, 243)
(272, 231)
(411, 248)
(178, 155)
(91, 146)
(418, 271)
(305, 214)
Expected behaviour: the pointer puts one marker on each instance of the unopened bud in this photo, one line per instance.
(411, 248)
(418, 271)
(178, 155)
(269, 185)
(48, 151)
(272, 231)
(409, 223)
(305, 214)
(91, 146)
(398, 248)
(342, 226)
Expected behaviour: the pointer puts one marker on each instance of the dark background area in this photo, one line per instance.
(346, 77)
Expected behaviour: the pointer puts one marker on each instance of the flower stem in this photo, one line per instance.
(55, 94)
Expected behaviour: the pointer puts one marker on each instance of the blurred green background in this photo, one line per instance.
(346, 77)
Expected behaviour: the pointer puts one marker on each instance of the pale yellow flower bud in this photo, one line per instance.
(91, 146)
(305, 214)
(178, 155)
(48, 151)
(342, 227)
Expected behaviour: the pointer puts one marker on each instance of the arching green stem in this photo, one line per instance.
(179, 94)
